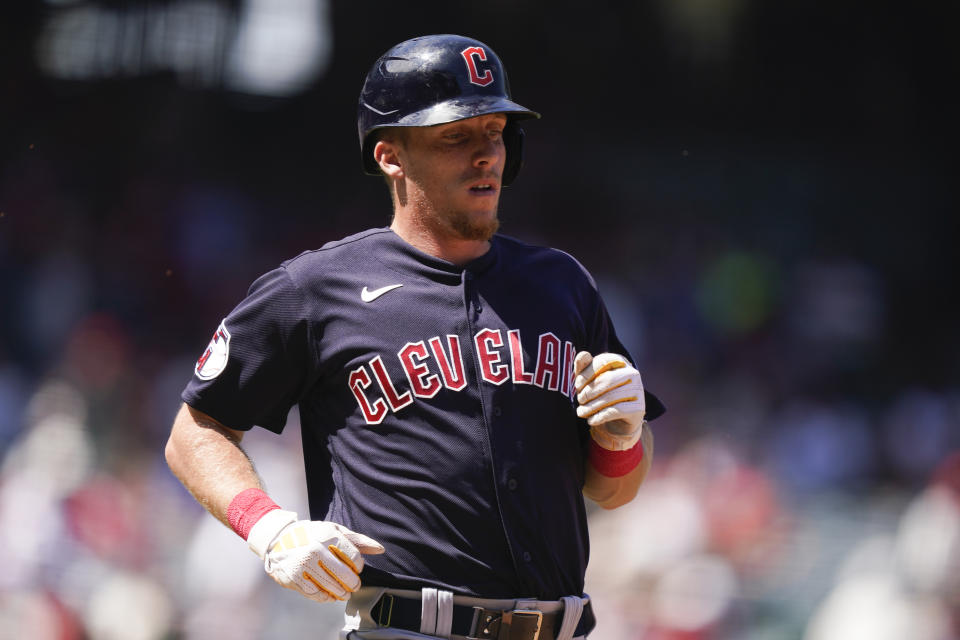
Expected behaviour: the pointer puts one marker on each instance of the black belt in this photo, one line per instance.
(477, 622)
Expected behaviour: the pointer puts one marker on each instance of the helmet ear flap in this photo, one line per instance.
(513, 142)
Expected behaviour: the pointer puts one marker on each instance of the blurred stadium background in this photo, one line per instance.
(764, 190)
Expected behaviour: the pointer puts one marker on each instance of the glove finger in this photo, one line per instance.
(581, 361)
(603, 410)
(343, 562)
(320, 596)
(326, 582)
(610, 381)
(344, 557)
(316, 553)
(334, 547)
(364, 544)
(349, 546)
(624, 399)
(600, 364)
(301, 582)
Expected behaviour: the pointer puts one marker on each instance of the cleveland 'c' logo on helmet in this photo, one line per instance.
(471, 54)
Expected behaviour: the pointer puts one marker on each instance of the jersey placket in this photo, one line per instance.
(473, 307)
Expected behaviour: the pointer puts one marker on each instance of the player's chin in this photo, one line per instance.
(477, 227)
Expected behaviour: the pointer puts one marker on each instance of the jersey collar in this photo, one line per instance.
(402, 257)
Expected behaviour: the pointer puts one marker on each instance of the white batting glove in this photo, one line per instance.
(610, 394)
(322, 560)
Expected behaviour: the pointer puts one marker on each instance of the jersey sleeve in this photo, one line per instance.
(257, 365)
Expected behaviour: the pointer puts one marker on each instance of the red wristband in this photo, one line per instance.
(614, 464)
(246, 508)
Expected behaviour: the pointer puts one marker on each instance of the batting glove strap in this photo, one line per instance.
(267, 529)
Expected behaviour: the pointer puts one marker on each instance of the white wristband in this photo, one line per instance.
(265, 531)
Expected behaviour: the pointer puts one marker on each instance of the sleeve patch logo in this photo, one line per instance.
(214, 359)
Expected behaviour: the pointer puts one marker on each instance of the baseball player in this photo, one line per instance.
(459, 391)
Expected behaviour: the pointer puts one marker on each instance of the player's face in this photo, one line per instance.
(453, 174)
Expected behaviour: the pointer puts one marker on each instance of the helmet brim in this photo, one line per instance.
(463, 108)
(445, 112)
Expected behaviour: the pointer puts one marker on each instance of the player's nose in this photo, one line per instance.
(488, 152)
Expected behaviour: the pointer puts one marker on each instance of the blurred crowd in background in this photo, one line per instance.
(764, 191)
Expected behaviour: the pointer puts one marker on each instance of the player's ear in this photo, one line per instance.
(386, 154)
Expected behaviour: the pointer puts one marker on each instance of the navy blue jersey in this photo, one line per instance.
(435, 403)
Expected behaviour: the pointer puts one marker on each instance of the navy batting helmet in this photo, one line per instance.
(434, 80)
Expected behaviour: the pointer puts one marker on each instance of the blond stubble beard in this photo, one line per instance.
(458, 225)
(450, 223)
(467, 230)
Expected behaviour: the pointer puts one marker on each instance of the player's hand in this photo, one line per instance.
(322, 560)
(610, 394)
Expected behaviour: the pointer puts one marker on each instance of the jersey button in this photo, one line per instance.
(497, 411)
(526, 556)
(512, 484)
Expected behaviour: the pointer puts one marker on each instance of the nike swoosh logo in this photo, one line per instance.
(378, 112)
(370, 296)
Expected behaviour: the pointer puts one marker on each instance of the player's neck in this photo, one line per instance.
(444, 246)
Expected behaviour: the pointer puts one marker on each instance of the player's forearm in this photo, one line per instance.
(206, 457)
(611, 493)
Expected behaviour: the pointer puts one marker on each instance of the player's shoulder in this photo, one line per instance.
(359, 242)
(336, 253)
(525, 255)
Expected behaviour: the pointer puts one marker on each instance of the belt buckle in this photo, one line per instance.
(525, 614)
(389, 610)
